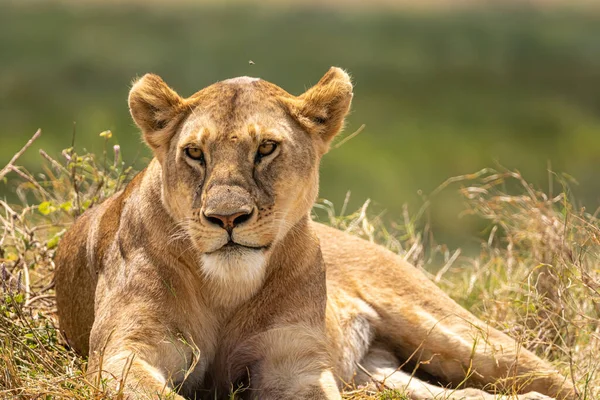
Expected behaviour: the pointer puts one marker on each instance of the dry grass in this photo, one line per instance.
(536, 276)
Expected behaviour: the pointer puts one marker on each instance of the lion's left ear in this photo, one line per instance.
(322, 108)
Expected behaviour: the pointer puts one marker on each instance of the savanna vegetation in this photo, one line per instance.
(441, 94)
(536, 276)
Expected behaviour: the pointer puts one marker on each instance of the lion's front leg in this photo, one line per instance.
(289, 362)
(136, 350)
(138, 369)
(127, 373)
(290, 382)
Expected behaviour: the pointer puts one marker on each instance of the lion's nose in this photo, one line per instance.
(228, 222)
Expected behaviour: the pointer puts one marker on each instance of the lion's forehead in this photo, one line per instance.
(238, 114)
(241, 80)
(238, 96)
(254, 128)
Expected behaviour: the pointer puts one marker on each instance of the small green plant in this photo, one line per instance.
(392, 395)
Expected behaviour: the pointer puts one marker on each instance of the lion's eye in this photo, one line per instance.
(265, 149)
(194, 153)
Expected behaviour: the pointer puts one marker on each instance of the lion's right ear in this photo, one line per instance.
(157, 110)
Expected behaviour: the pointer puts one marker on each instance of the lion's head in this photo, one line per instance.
(239, 161)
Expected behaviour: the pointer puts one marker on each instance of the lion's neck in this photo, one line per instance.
(297, 250)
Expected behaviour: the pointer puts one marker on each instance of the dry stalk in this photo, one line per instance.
(12, 161)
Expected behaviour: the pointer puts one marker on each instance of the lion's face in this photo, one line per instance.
(239, 161)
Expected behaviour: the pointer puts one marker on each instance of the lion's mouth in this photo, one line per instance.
(235, 246)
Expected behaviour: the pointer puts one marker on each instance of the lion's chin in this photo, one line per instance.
(235, 265)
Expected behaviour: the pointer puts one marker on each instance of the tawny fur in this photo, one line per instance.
(294, 310)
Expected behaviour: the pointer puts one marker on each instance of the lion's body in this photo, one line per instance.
(293, 311)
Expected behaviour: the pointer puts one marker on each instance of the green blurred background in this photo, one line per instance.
(442, 91)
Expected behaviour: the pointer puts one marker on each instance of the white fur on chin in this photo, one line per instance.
(239, 272)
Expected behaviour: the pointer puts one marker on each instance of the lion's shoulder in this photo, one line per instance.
(93, 232)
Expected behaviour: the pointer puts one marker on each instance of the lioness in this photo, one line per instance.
(207, 273)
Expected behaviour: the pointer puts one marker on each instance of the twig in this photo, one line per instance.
(352, 135)
(362, 215)
(27, 281)
(30, 179)
(39, 297)
(11, 163)
(378, 383)
(52, 161)
(445, 268)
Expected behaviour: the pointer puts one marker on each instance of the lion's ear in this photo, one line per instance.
(322, 108)
(156, 109)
